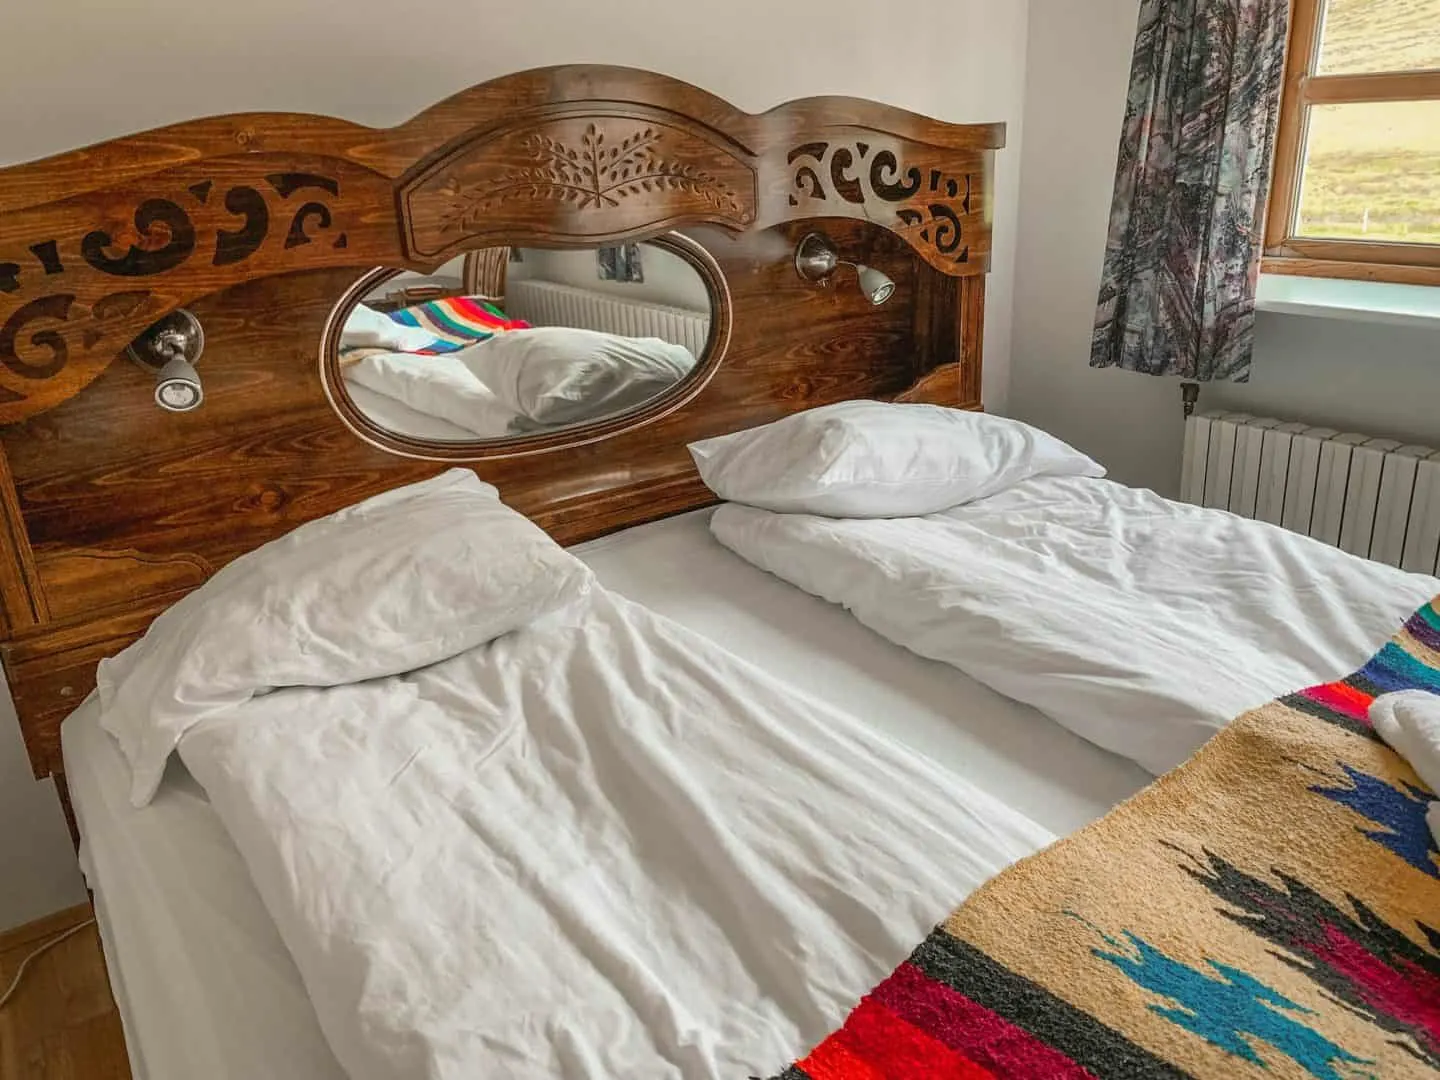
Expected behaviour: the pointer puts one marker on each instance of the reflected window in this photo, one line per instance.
(621, 264)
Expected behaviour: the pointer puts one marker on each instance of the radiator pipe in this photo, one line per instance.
(1189, 395)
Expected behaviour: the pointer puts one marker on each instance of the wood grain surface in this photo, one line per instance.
(62, 1023)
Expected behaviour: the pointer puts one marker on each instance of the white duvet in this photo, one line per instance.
(597, 847)
(1141, 624)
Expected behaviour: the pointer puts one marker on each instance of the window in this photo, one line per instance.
(1357, 168)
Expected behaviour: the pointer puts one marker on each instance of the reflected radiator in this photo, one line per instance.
(1368, 496)
(544, 303)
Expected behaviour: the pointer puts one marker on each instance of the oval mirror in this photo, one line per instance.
(510, 351)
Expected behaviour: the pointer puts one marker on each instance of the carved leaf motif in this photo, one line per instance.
(590, 176)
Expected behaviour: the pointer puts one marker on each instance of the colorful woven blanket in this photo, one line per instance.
(1266, 910)
(456, 322)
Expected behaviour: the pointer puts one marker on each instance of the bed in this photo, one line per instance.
(267, 228)
(176, 925)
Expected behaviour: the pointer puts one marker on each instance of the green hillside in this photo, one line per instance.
(1374, 170)
(1381, 35)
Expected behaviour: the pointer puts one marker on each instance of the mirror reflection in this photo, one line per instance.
(508, 342)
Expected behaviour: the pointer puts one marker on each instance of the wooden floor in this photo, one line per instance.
(62, 1023)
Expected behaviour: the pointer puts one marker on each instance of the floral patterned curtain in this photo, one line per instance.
(1178, 295)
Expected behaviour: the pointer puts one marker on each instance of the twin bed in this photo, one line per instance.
(415, 791)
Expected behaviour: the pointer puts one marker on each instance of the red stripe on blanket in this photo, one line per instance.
(833, 1060)
(873, 1034)
(1343, 698)
(1405, 991)
(981, 1035)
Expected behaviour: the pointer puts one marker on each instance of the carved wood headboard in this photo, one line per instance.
(259, 223)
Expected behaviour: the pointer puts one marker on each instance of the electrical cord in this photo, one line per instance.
(20, 974)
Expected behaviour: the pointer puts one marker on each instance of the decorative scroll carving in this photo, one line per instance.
(589, 179)
(892, 190)
(233, 246)
(168, 237)
(58, 300)
(48, 253)
(55, 308)
(142, 259)
(287, 184)
(932, 204)
(311, 211)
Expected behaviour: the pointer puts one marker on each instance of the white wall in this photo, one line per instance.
(1077, 70)
(38, 874)
(107, 68)
(1380, 380)
(1355, 376)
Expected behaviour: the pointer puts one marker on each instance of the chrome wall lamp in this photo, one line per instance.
(168, 350)
(816, 260)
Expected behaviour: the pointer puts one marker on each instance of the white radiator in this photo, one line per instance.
(544, 303)
(1367, 496)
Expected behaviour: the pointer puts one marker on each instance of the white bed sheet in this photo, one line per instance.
(1142, 624)
(204, 984)
(467, 864)
(177, 904)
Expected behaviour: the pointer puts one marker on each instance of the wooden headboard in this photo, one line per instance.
(259, 223)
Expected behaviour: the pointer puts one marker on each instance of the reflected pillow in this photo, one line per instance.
(397, 582)
(874, 459)
(558, 375)
(438, 386)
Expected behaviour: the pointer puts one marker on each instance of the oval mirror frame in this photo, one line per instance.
(511, 446)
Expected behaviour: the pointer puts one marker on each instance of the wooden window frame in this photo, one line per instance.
(1285, 253)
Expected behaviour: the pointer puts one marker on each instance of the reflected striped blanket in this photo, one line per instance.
(1266, 910)
(456, 322)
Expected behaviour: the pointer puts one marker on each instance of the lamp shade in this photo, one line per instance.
(168, 350)
(876, 286)
(177, 387)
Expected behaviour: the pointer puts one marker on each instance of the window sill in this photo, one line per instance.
(1359, 301)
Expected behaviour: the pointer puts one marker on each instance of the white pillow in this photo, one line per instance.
(394, 583)
(366, 328)
(437, 386)
(560, 375)
(873, 459)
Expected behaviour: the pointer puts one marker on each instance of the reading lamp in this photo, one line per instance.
(168, 350)
(816, 260)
